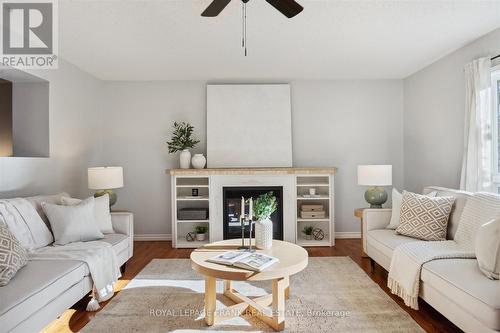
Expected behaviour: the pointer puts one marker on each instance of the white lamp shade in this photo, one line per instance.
(375, 175)
(105, 178)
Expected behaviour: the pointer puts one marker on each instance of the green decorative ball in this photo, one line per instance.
(376, 197)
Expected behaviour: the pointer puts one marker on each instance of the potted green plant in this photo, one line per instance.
(308, 231)
(182, 140)
(264, 207)
(201, 232)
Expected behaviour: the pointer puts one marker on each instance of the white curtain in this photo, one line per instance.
(477, 158)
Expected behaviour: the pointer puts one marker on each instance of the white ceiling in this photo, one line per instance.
(330, 39)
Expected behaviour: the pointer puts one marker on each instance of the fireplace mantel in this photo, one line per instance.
(252, 171)
(203, 189)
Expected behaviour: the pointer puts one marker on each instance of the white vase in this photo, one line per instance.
(264, 234)
(198, 161)
(200, 237)
(185, 159)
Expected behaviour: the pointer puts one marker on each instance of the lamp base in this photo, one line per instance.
(376, 196)
(112, 196)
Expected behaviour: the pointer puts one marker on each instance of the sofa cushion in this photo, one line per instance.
(385, 240)
(458, 206)
(481, 208)
(424, 217)
(488, 249)
(73, 223)
(37, 284)
(25, 223)
(12, 255)
(36, 201)
(461, 281)
(101, 210)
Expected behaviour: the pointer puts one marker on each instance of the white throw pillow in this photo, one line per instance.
(397, 199)
(488, 249)
(25, 223)
(73, 223)
(101, 210)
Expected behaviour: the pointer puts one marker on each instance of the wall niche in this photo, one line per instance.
(24, 114)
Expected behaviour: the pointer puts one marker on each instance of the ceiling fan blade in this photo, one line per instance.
(289, 8)
(215, 8)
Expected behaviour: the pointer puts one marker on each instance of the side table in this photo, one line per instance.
(358, 212)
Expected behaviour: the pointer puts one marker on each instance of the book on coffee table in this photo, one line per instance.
(253, 261)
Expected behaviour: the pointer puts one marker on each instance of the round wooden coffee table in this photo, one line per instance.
(269, 308)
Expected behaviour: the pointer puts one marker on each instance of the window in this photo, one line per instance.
(495, 85)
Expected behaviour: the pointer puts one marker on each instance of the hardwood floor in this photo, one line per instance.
(430, 320)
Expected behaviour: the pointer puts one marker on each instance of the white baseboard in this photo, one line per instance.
(164, 237)
(152, 237)
(342, 235)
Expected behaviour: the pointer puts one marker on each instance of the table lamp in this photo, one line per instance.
(375, 176)
(104, 180)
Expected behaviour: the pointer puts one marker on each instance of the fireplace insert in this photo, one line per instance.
(232, 209)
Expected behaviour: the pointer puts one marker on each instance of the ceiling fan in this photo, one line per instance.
(289, 8)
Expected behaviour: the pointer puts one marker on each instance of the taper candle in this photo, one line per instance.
(242, 214)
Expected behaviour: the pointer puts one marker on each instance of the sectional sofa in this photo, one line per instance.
(454, 287)
(42, 290)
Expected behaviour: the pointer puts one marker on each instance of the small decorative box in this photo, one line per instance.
(313, 215)
(193, 214)
(311, 208)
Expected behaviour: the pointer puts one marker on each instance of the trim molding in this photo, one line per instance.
(343, 235)
(152, 237)
(164, 237)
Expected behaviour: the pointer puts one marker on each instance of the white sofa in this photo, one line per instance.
(454, 287)
(42, 290)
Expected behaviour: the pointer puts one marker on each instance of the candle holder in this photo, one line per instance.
(246, 218)
(242, 222)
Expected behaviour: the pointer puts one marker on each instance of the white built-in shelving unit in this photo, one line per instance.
(295, 182)
(182, 198)
(323, 184)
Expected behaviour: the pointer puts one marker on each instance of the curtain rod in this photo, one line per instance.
(498, 56)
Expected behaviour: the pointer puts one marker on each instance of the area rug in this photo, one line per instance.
(332, 294)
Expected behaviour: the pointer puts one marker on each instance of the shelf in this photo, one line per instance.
(321, 197)
(313, 185)
(314, 220)
(323, 242)
(191, 186)
(193, 221)
(183, 243)
(200, 198)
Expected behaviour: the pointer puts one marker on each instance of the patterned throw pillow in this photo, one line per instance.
(423, 217)
(12, 255)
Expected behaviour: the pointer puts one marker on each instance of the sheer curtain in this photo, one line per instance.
(477, 157)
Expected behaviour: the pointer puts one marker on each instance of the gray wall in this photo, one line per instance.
(434, 113)
(343, 124)
(75, 138)
(30, 110)
(339, 124)
(140, 116)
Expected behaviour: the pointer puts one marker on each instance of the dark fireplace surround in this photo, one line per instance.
(232, 207)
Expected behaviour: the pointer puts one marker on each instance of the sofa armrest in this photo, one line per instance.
(123, 223)
(377, 218)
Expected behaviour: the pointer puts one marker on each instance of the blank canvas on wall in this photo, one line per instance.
(249, 126)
